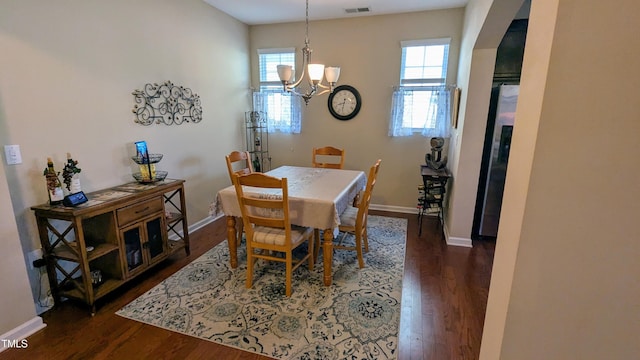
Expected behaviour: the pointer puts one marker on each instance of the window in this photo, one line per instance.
(421, 102)
(283, 110)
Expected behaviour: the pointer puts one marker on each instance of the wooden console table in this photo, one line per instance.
(92, 249)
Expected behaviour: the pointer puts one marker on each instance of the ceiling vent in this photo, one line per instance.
(357, 10)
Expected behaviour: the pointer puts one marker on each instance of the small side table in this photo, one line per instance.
(431, 193)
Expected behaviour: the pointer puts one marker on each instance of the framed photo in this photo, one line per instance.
(455, 104)
(141, 150)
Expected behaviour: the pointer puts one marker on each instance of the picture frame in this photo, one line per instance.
(455, 107)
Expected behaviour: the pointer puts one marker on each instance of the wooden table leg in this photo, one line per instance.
(232, 241)
(327, 255)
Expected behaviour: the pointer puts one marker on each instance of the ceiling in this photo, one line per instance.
(255, 12)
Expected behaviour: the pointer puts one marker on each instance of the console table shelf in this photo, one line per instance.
(119, 233)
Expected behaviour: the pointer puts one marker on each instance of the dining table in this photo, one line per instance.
(317, 197)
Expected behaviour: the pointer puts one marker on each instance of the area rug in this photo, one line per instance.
(357, 317)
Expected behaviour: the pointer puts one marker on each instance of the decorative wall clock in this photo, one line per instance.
(344, 102)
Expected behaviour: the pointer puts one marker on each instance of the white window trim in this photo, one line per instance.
(426, 42)
(273, 51)
(276, 50)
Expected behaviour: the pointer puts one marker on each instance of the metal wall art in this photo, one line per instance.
(166, 104)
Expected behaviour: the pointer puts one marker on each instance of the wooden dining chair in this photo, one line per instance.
(354, 219)
(268, 228)
(328, 157)
(238, 162)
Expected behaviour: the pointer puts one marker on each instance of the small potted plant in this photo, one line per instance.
(70, 169)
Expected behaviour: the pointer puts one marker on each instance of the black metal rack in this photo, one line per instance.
(257, 132)
(431, 193)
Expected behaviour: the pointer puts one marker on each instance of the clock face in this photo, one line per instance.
(344, 102)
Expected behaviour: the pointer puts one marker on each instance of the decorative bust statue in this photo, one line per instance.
(435, 160)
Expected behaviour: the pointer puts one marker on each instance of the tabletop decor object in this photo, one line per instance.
(71, 181)
(358, 317)
(435, 160)
(167, 104)
(147, 165)
(54, 187)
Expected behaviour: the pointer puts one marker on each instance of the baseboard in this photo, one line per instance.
(458, 241)
(22, 332)
(195, 226)
(202, 223)
(398, 209)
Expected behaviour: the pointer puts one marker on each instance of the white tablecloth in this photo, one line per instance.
(317, 196)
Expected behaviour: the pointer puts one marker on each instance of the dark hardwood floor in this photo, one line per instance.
(443, 305)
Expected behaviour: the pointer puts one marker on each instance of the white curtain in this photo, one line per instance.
(398, 100)
(284, 110)
(439, 112)
(434, 122)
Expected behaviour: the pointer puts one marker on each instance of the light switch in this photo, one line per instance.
(12, 153)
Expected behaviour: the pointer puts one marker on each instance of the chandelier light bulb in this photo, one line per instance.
(316, 72)
(285, 72)
(332, 73)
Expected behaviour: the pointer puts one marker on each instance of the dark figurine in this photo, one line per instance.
(435, 160)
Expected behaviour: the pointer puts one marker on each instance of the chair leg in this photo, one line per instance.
(289, 273)
(250, 262)
(312, 250)
(344, 236)
(239, 232)
(316, 239)
(366, 240)
(359, 248)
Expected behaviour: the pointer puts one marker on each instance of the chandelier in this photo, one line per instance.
(314, 73)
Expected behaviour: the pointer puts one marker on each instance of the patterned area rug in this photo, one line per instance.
(357, 317)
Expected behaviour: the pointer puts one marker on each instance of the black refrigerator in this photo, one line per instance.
(495, 160)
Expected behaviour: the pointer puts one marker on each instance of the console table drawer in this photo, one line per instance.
(135, 212)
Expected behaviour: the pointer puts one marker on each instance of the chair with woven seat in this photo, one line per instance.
(268, 227)
(354, 219)
(328, 157)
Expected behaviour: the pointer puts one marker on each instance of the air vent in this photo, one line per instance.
(357, 10)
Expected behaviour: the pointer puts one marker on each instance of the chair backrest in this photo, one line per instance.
(238, 162)
(271, 210)
(335, 157)
(365, 199)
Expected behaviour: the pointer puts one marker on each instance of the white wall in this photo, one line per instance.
(16, 305)
(67, 71)
(368, 51)
(565, 281)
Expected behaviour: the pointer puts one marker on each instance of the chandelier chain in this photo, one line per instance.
(306, 38)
